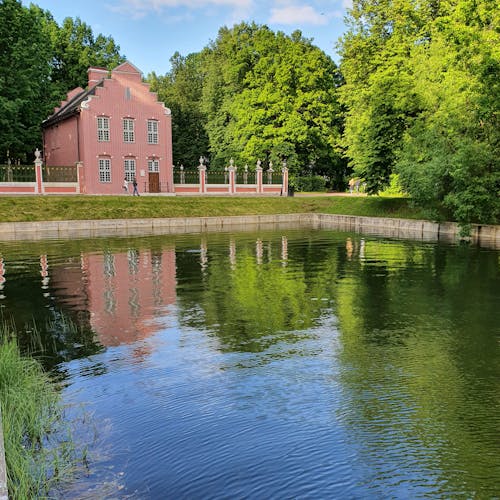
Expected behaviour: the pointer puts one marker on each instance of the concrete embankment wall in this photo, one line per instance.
(482, 235)
(449, 232)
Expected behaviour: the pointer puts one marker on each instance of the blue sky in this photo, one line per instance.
(150, 31)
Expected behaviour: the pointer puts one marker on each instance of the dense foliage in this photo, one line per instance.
(181, 89)
(39, 62)
(254, 94)
(422, 96)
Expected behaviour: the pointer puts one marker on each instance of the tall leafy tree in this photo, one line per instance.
(272, 97)
(451, 153)
(181, 90)
(24, 78)
(74, 49)
(422, 100)
(39, 62)
(378, 93)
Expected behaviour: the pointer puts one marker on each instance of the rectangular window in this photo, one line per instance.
(104, 170)
(128, 130)
(103, 129)
(153, 166)
(152, 132)
(129, 165)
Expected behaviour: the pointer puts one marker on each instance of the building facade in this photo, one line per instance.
(116, 129)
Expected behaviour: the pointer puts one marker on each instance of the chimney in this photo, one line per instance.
(96, 74)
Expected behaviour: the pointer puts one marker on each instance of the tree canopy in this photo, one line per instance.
(181, 89)
(39, 62)
(259, 95)
(24, 76)
(422, 100)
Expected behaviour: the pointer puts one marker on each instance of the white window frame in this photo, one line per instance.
(153, 165)
(129, 168)
(103, 128)
(128, 130)
(104, 170)
(152, 131)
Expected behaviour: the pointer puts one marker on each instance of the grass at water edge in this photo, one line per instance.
(31, 418)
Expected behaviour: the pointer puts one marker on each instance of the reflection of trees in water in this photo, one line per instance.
(421, 362)
(419, 359)
(248, 298)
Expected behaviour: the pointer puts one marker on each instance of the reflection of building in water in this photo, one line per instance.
(203, 255)
(44, 273)
(352, 247)
(122, 292)
(127, 290)
(362, 249)
(284, 250)
(349, 248)
(232, 253)
(119, 294)
(259, 251)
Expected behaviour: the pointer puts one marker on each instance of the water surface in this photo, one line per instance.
(293, 364)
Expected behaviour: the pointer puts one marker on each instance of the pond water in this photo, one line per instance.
(292, 364)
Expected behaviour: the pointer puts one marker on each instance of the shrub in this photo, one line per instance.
(315, 183)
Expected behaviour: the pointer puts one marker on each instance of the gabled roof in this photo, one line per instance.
(127, 67)
(71, 107)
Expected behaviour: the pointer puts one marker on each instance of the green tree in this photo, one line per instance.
(272, 97)
(24, 78)
(451, 153)
(74, 50)
(39, 63)
(181, 90)
(378, 93)
(422, 100)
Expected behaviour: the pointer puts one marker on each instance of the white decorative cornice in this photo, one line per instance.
(86, 102)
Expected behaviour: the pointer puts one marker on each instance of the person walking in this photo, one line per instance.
(136, 191)
(125, 185)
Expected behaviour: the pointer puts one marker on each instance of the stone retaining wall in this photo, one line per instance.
(482, 235)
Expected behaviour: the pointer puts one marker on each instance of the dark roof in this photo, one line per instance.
(72, 107)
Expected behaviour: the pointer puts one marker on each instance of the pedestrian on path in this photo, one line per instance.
(136, 191)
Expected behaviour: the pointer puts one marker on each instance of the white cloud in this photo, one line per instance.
(347, 4)
(297, 14)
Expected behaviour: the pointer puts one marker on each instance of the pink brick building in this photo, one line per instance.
(114, 129)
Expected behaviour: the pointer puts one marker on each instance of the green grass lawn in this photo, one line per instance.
(50, 208)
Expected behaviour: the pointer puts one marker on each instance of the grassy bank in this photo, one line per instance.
(47, 208)
(30, 413)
